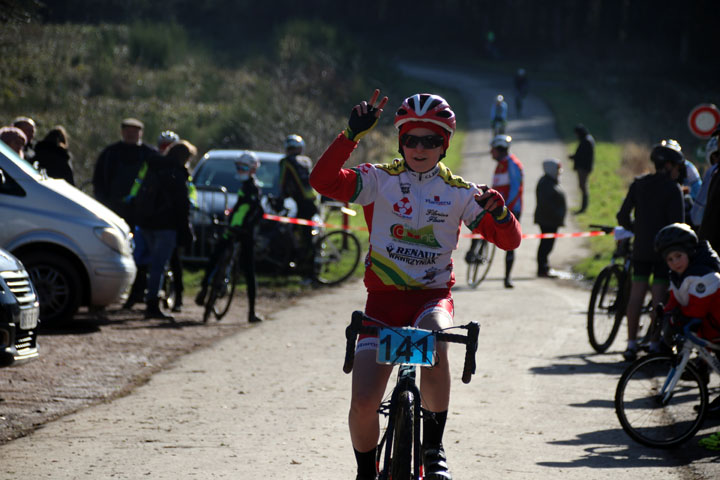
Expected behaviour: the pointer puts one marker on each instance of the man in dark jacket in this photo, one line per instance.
(162, 211)
(550, 211)
(583, 159)
(656, 201)
(117, 168)
(710, 226)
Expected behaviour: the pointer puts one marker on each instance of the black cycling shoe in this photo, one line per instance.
(200, 297)
(359, 477)
(435, 463)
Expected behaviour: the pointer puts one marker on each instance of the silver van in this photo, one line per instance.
(76, 250)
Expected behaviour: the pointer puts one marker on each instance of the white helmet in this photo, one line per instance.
(499, 98)
(247, 161)
(502, 141)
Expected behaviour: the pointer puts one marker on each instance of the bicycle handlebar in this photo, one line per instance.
(605, 228)
(470, 341)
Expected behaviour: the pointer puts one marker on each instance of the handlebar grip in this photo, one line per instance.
(605, 228)
(351, 333)
(470, 349)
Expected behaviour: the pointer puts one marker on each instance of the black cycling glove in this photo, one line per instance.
(361, 123)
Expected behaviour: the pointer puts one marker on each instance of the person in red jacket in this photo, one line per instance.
(414, 208)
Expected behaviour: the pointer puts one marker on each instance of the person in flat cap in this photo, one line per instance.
(118, 166)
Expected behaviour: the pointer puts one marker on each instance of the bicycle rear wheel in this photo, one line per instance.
(606, 309)
(337, 255)
(480, 266)
(167, 292)
(225, 290)
(401, 467)
(645, 416)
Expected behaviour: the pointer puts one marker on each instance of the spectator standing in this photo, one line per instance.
(656, 200)
(508, 180)
(712, 156)
(295, 183)
(710, 225)
(521, 89)
(162, 209)
(27, 125)
(53, 156)
(498, 115)
(550, 211)
(583, 158)
(118, 166)
(14, 138)
(244, 218)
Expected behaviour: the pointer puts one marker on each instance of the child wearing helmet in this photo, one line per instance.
(694, 281)
(414, 207)
(654, 200)
(245, 215)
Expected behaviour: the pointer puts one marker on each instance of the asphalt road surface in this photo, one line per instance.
(271, 401)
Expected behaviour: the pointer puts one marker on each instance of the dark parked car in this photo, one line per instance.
(19, 312)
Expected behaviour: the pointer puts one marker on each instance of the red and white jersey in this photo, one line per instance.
(699, 297)
(414, 218)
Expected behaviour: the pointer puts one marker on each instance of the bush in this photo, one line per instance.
(156, 45)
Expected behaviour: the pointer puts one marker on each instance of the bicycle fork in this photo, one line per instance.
(674, 377)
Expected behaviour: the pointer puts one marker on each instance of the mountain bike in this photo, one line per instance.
(479, 258)
(610, 294)
(408, 348)
(661, 399)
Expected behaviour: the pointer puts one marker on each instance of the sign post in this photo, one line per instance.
(703, 120)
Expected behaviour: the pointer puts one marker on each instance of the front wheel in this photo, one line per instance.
(58, 285)
(648, 414)
(606, 309)
(336, 257)
(403, 438)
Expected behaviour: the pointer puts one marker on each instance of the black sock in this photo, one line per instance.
(366, 463)
(433, 427)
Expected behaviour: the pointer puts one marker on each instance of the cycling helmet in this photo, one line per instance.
(294, 141)
(676, 236)
(501, 141)
(710, 148)
(247, 161)
(667, 151)
(426, 108)
(499, 98)
(167, 137)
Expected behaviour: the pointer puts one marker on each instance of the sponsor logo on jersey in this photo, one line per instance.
(436, 200)
(424, 236)
(436, 216)
(405, 188)
(403, 208)
(411, 256)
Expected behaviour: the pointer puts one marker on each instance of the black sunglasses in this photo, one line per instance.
(427, 141)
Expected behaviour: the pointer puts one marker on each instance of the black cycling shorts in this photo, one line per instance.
(658, 268)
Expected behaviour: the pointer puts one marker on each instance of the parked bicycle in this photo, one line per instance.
(479, 258)
(662, 399)
(409, 348)
(610, 294)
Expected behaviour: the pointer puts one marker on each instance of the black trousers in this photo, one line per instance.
(544, 249)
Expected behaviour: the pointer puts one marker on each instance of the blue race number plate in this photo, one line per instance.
(406, 346)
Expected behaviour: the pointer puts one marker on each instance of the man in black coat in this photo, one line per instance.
(710, 226)
(583, 159)
(118, 166)
(550, 211)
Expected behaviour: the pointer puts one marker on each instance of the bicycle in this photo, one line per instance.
(498, 126)
(610, 294)
(661, 400)
(408, 348)
(479, 258)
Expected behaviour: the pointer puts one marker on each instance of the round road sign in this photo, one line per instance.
(703, 120)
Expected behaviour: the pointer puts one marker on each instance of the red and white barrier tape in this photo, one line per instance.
(310, 223)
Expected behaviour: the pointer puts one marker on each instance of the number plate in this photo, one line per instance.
(406, 346)
(29, 318)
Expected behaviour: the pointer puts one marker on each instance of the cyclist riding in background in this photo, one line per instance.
(414, 207)
(656, 200)
(245, 215)
(295, 183)
(498, 115)
(521, 89)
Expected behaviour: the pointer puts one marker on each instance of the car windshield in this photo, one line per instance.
(219, 171)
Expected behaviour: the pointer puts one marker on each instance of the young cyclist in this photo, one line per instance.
(414, 207)
(656, 201)
(694, 282)
(244, 217)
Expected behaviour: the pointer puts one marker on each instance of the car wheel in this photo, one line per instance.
(58, 284)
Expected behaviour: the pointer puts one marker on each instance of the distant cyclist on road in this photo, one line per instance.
(521, 89)
(498, 115)
(414, 207)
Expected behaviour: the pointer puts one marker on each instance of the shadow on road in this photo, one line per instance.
(588, 366)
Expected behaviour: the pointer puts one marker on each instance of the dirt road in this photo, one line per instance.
(271, 401)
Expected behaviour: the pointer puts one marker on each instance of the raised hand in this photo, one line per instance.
(492, 201)
(364, 117)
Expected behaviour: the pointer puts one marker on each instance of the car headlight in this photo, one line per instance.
(113, 239)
